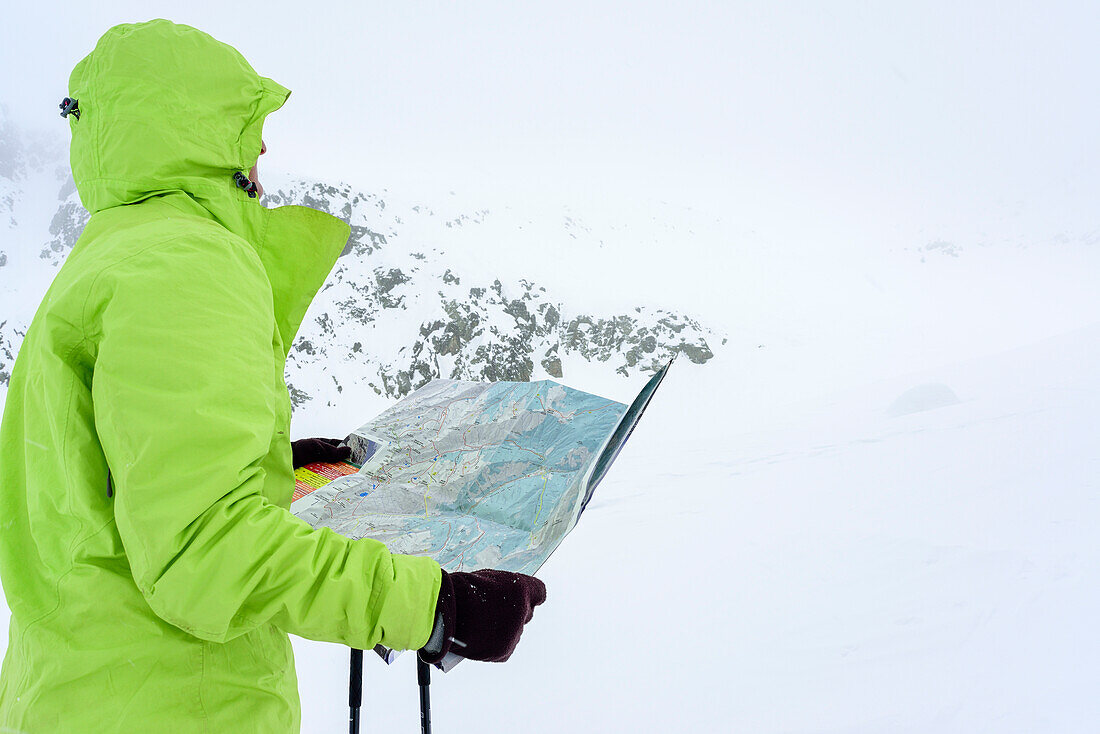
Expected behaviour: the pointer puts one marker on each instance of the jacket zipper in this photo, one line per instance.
(110, 491)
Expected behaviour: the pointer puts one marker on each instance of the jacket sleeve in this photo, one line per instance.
(185, 411)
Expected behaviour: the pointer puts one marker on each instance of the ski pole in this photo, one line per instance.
(355, 689)
(424, 679)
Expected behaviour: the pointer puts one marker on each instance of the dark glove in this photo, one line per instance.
(309, 450)
(480, 615)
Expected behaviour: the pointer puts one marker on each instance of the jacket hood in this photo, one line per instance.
(168, 111)
(165, 107)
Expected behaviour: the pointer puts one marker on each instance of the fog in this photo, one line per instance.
(818, 124)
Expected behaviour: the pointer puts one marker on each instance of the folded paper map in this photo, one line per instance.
(474, 474)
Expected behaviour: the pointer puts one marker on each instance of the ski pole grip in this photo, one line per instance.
(355, 687)
(423, 673)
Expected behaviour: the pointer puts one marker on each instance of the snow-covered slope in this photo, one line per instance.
(833, 566)
(403, 305)
(865, 501)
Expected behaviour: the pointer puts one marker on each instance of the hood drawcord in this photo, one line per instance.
(245, 183)
(68, 105)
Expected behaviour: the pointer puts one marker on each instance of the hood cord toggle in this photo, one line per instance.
(245, 183)
(69, 105)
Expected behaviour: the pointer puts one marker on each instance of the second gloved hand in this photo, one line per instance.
(309, 450)
(480, 615)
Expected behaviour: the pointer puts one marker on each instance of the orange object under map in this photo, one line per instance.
(314, 476)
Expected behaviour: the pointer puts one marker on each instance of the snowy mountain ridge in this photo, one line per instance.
(395, 311)
(878, 517)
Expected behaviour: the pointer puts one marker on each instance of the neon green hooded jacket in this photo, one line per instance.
(151, 565)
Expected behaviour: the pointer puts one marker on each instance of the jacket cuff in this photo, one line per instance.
(410, 598)
(445, 621)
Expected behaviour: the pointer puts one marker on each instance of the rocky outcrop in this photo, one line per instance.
(394, 313)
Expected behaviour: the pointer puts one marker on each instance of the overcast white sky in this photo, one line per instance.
(829, 120)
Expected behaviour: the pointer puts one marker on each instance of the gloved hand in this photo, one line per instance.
(480, 615)
(309, 450)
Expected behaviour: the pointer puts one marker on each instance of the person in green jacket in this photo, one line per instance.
(148, 557)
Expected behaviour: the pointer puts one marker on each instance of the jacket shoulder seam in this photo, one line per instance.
(110, 267)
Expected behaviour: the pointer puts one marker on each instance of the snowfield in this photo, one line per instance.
(875, 509)
(825, 568)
